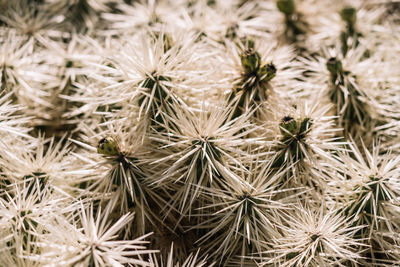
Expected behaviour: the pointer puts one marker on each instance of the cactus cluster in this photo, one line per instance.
(199, 133)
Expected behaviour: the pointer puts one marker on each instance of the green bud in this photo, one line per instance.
(334, 65)
(267, 72)
(287, 7)
(288, 126)
(349, 14)
(250, 60)
(108, 146)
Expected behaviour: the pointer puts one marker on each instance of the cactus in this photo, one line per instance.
(199, 133)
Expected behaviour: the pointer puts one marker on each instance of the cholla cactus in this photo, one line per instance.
(346, 81)
(368, 195)
(243, 216)
(200, 152)
(92, 240)
(199, 133)
(315, 238)
(26, 217)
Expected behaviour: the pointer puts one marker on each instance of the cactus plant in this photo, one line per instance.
(199, 133)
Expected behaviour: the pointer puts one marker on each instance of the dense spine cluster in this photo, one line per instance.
(199, 133)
